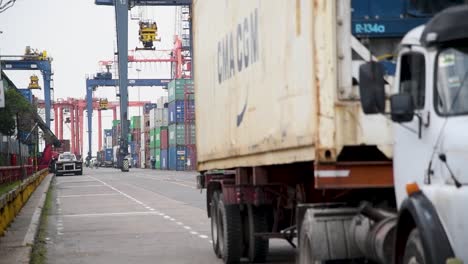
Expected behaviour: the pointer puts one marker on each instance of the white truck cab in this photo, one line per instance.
(429, 107)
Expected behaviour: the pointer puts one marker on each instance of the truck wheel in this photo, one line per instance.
(80, 173)
(214, 222)
(414, 252)
(229, 232)
(256, 221)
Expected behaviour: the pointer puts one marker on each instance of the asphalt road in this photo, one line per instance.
(144, 216)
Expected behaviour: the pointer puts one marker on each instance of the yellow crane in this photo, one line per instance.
(34, 83)
(148, 33)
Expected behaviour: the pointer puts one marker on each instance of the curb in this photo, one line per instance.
(33, 228)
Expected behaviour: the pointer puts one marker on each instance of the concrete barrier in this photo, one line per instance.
(12, 202)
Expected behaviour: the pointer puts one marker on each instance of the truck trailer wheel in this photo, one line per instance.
(214, 223)
(229, 232)
(414, 252)
(255, 221)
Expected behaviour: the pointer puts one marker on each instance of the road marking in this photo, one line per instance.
(110, 214)
(88, 195)
(64, 182)
(150, 212)
(122, 193)
(81, 186)
(165, 180)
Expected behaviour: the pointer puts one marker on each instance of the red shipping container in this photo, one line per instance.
(164, 139)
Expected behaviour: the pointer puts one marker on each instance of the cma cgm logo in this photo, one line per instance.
(239, 48)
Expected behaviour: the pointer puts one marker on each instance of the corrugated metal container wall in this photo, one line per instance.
(152, 118)
(161, 101)
(164, 159)
(176, 134)
(176, 112)
(258, 105)
(165, 117)
(177, 158)
(157, 156)
(177, 89)
(164, 138)
(191, 158)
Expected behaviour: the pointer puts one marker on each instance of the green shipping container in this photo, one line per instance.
(135, 122)
(177, 134)
(177, 88)
(115, 123)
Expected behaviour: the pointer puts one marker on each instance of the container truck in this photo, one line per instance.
(285, 151)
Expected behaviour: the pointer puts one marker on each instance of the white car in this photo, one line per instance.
(67, 163)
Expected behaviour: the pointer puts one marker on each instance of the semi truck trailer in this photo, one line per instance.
(285, 149)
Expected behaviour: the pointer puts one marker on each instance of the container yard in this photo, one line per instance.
(234, 131)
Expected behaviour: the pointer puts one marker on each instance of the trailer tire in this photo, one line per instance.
(414, 251)
(214, 222)
(256, 221)
(229, 231)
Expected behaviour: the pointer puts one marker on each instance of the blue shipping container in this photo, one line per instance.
(164, 161)
(176, 111)
(109, 154)
(177, 158)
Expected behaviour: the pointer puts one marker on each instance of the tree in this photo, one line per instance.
(15, 103)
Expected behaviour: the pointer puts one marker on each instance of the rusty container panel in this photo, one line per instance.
(266, 83)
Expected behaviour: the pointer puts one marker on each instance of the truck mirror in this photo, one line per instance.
(402, 108)
(372, 87)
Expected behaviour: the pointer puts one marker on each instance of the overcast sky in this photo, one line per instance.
(78, 34)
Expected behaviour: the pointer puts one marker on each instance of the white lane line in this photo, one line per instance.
(110, 214)
(82, 186)
(151, 212)
(88, 195)
(122, 193)
(65, 182)
(173, 182)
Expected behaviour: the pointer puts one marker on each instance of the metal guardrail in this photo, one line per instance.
(12, 202)
(13, 173)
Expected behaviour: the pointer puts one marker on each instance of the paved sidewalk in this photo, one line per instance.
(23, 228)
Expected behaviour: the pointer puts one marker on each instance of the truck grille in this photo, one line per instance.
(68, 167)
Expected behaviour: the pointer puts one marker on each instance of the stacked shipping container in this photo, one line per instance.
(158, 121)
(181, 127)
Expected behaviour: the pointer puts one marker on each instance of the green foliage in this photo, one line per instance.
(14, 103)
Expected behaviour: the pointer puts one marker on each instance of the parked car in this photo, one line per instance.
(67, 163)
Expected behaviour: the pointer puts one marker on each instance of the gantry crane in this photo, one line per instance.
(37, 61)
(121, 14)
(76, 107)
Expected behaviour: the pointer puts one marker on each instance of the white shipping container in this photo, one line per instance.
(165, 117)
(161, 101)
(268, 84)
(152, 118)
